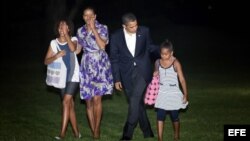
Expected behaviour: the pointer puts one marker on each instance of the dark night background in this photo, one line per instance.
(29, 24)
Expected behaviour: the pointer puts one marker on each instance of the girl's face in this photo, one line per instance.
(166, 54)
(88, 15)
(63, 28)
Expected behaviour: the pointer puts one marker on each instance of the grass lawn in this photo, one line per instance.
(219, 94)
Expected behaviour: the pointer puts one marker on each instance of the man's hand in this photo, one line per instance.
(118, 86)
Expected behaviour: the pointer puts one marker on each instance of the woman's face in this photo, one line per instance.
(88, 15)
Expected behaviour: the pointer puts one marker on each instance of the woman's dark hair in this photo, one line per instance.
(128, 17)
(68, 22)
(167, 44)
(90, 8)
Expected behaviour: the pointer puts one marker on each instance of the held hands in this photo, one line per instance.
(118, 86)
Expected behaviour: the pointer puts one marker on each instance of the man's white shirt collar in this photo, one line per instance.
(130, 41)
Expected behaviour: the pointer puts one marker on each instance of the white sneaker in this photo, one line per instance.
(58, 138)
(79, 136)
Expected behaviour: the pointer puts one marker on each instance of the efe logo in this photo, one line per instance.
(237, 132)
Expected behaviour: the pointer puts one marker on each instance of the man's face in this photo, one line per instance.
(131, 27)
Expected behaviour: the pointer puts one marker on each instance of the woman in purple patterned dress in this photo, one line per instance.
(96, 77)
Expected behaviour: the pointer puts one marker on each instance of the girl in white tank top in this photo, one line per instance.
(170, 98)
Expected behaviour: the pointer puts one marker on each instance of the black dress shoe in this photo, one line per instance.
(125, 139)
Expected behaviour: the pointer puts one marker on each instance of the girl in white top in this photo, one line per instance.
(170, 97)
(67, 45)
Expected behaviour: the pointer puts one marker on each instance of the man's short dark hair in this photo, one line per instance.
(128, 17)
